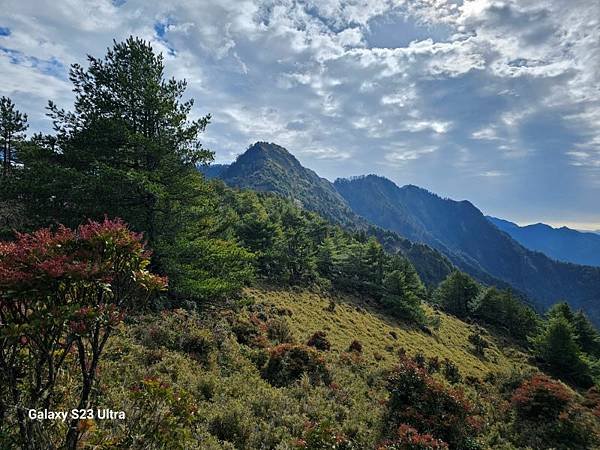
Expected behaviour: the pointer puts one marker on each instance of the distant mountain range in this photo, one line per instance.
(455, 229)
(562, 244)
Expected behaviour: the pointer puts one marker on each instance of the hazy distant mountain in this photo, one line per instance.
(563, 244)
(460, 231)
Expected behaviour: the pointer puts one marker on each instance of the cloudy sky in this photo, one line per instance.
(497, 102)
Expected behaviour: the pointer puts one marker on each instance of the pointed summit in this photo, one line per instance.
(269, 167)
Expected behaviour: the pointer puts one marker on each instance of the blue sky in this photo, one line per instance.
(493, 101)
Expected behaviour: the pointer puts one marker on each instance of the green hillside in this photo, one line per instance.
(382, 336)
(199, 381)
(270, 168)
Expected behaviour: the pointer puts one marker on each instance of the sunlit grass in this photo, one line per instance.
(354, 318)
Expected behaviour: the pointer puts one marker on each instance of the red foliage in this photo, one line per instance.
(62, 292)
(549, 415)
(96, 251)
(409, 439)
(82, 276)
(541, 398)
(421, 401)
(592, 400)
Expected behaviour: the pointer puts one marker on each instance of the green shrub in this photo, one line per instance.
(279, 331)
(178, 330)
(159, 416)
(322, 436)
(233, 424)
(249, 331)
(407, 438)
(451, 371)
(478, 342)
(355, 346)
(433, 364)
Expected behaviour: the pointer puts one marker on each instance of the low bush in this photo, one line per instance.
(478, 342)
(319, 341)
(322, 436)
(355, 346)
(234, 425)
(451, 372)
(279, 331)
(418, 400)
(407, 438)
(288, 362)
(177, 330)
(547, 415)
(540, 398)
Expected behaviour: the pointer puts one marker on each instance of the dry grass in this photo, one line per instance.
(354, 318)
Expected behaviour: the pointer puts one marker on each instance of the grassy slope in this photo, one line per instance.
(203, 364)
(354, 318)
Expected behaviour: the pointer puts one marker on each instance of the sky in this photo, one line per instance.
(497, 102)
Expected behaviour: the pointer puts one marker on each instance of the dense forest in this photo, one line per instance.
(211, 317)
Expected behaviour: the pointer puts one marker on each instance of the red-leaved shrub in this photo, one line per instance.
(64, 291)
(408, 438)
(418, 400)
(541, 398)
(548, 415)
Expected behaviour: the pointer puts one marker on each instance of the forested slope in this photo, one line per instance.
(463, 234)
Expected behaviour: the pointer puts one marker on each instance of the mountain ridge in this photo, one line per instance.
(269, 167)
(460, 231)
(562, 243)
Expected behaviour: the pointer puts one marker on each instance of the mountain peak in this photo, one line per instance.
(268, 147)
(269, 167)
(268, 151)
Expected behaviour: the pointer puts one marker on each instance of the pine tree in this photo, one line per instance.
(588, 337)
(404, 292)
(556, 345)
(12, 131)
(456, 293)
(129, 150)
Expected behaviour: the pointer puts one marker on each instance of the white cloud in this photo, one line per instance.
(484, 80)
(492, 173)
(403, 155)
(415, 126)
(327, 153)
(487, 133)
